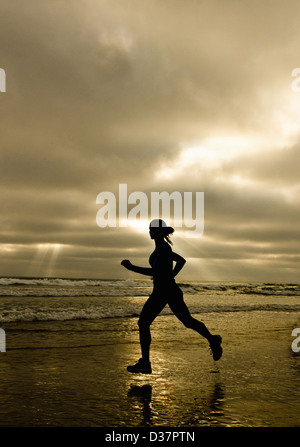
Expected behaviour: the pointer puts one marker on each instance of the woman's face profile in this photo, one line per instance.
(154, 232)
(151, 232)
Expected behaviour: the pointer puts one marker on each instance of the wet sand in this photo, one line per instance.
(73, 374)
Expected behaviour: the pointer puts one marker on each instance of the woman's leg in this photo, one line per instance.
(152, 308)
(180, 309)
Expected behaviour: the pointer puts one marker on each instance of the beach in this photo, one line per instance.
(60, 372)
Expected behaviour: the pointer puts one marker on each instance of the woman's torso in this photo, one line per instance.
(161, 261)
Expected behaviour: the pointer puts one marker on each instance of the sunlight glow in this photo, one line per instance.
(52, 260)
(281, 131)
(7, 247)
(210, 154)
(287, 119)
(43, 263)
(142, 226)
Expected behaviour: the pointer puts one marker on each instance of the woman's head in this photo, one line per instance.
(159, 229)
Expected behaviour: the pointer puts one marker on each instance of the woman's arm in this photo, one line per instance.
(142, 270)
(180, 261)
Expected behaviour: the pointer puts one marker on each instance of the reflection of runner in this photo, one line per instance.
(165, 291)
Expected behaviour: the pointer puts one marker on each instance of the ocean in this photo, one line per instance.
(46, 299)
(68, 342)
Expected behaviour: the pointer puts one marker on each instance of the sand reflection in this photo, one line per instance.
(152, 407)
(141, 394)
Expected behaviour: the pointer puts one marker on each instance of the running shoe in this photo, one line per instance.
(141, 366)
(215, 346)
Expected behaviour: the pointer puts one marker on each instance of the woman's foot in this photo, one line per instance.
(215, 345)
(142, 366)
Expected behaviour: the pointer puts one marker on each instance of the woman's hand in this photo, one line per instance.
(142, 270)
(127, 264)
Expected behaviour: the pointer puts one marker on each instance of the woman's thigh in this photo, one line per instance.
(179, 308)
(152, 308)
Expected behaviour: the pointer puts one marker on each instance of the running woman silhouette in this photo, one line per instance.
(165, 291)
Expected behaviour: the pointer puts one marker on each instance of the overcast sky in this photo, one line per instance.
(168, 95)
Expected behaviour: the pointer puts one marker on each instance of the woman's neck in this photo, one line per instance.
(159, 241)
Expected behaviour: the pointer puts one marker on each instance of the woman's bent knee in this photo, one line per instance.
(189, 323)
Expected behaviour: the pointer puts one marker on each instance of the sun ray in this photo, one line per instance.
(52, 260)
(44, 260)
